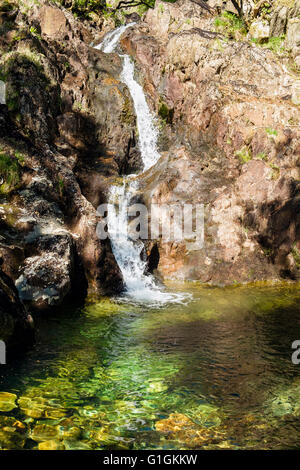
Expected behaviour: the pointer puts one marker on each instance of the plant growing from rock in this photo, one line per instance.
(9, 172)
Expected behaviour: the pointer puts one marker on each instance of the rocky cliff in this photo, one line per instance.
(67, 122)
(228, 105)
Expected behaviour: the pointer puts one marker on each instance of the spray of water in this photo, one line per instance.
(140, 287)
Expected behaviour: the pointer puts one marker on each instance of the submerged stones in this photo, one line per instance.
(7, 401)
(181, 428)
(39, 407)
(44, 432)
(286, 402)
(51, 445)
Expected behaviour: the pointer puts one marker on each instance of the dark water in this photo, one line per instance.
(214, 373)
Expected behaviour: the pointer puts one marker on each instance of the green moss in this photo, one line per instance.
(9, 172)
(127, 115)
(165, 113)
(12, 101)
(268, 252)
(61, 186)
(275, 44)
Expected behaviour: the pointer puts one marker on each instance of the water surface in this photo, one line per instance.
(213, 373)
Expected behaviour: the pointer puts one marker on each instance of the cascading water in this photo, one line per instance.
(139, 286)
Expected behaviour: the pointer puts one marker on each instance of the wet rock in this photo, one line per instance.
(75, 445)
(51, 445)
(44, 432)
(11, 439)
(40, 407)
(48, 278)
(70, 432)
(183, 429)
(7, 401)
(51, 115)
(16, 324)
(34, 408)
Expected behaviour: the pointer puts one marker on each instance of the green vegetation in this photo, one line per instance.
(9, 172)
(12, 101)
(267, 252)
(296, 255)
(275, 171)
(88, 8)
(271, 132)
(275, 44)
(34, 32)
(261, 156)
(165, 113)
(230, 25)
(61, 186)
(244, 154)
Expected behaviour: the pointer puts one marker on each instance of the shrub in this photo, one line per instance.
(230, 25)
(244, 155)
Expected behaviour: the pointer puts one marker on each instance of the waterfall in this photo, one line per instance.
(139, 286)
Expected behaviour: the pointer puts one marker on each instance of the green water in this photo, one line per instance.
(213, 373)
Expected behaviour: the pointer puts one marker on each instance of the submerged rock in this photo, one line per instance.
(44, 432)
(7, 401)
(181, 428)
(51, 445)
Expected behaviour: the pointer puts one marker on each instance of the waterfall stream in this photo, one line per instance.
(139, 286)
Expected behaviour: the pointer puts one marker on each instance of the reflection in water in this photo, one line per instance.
(215, 373)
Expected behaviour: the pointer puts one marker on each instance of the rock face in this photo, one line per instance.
(16, 326)
(230, 141)
(68, 127)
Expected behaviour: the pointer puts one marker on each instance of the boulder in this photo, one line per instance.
(259, 30)
(47, 279)
(16, 325)
(53, 22)
(292, 41)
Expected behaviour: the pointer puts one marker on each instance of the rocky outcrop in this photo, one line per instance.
(230, 141)
(16, 325)
(69, 126)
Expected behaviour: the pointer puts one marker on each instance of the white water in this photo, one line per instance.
(139, 286)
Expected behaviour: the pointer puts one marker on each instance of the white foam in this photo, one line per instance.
(140, 286)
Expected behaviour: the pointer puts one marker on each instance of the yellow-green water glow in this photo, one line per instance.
(213, 373)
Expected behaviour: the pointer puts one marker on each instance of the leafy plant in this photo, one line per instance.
(244, 155)
(271, 132)
(230, 25)
(262, 156)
